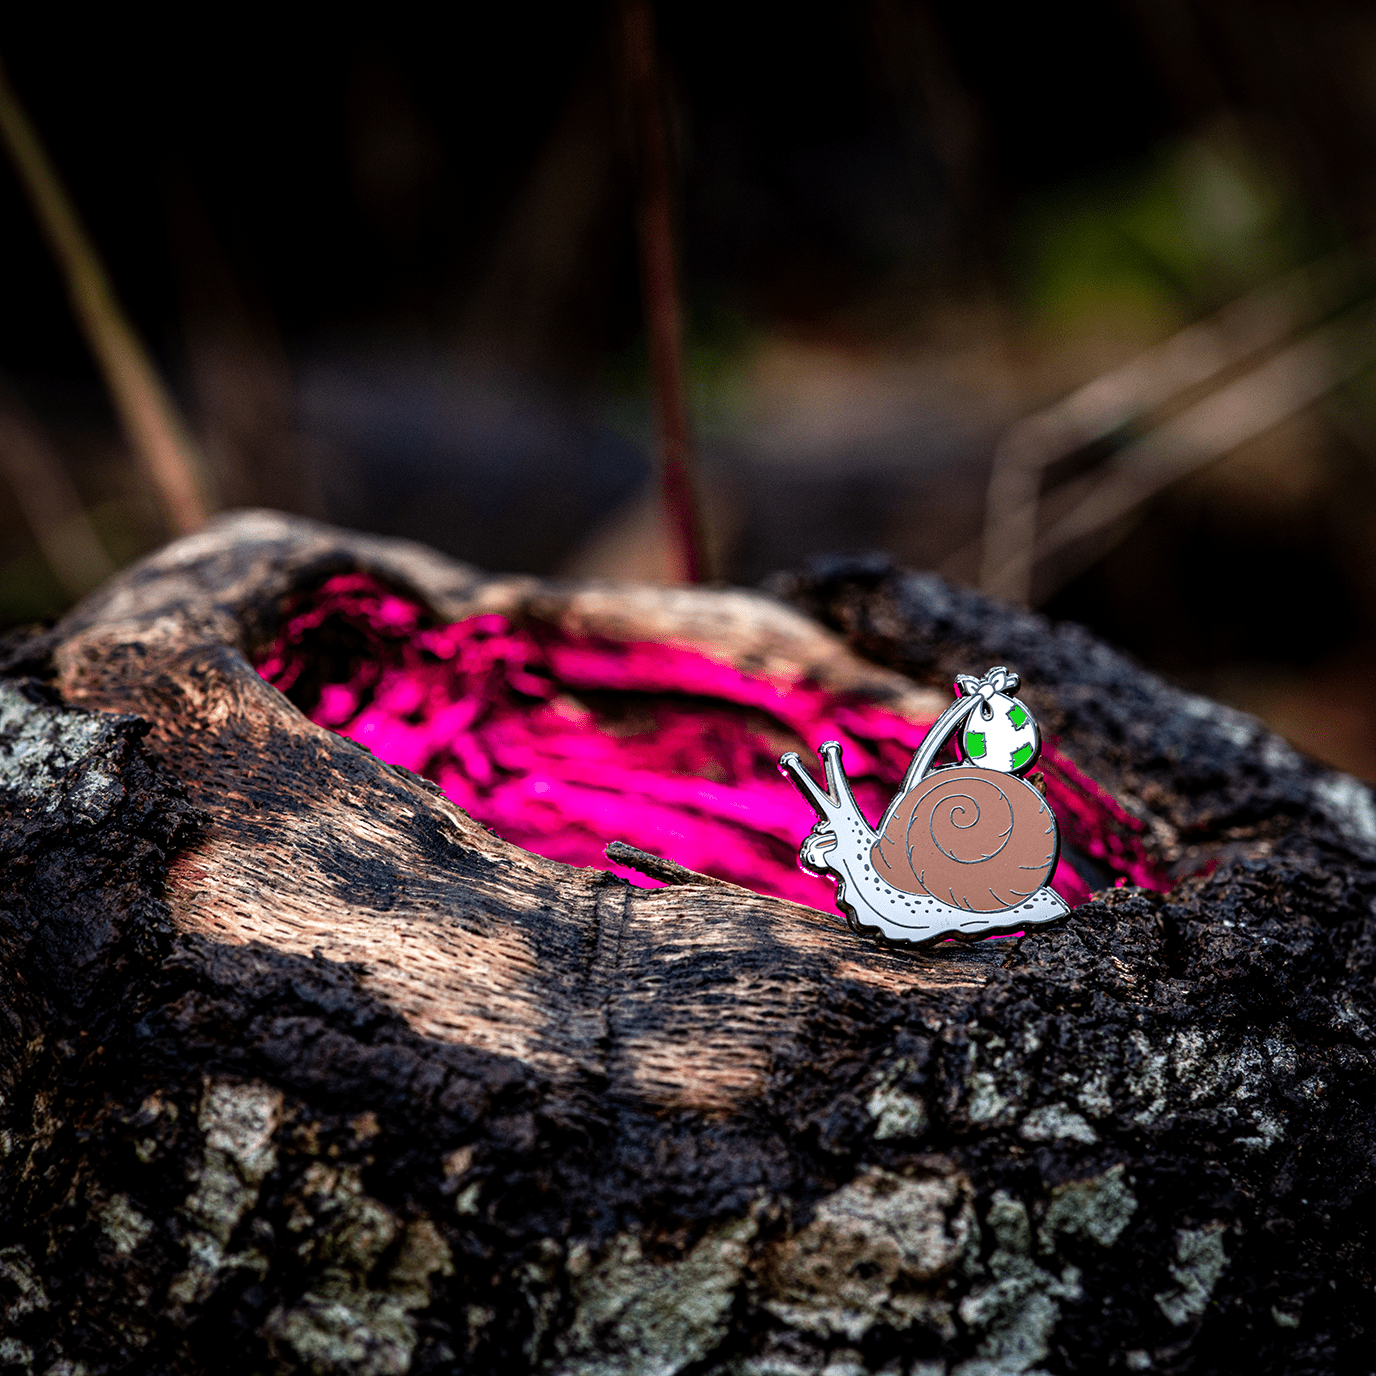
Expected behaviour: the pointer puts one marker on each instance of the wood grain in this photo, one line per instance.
(316, 845)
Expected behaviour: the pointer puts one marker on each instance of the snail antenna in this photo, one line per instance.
(837, 800)
(791, 767)
(838, 786)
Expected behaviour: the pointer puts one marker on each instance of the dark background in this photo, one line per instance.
(386, 259)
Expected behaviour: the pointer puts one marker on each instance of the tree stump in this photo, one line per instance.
(302, 1070)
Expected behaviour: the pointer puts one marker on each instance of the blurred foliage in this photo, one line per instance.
(1166, 238)
(718, 341)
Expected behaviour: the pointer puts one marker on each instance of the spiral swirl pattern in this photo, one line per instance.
(975, 838)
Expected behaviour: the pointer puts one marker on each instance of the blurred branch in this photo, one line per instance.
(1293, 379)
(1198, 356)
(659, 285)
(146, 409)
(50, 504)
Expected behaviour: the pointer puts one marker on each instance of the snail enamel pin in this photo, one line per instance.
(965, 850)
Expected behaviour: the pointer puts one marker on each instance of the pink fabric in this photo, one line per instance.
(562, 744)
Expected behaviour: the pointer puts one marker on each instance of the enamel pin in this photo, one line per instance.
(965, 850)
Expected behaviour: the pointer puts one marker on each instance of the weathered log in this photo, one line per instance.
(303, 1070)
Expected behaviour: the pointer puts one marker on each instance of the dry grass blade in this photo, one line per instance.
(659, 286)
(50, 504)
(1199, 356)
(145, 408)
(1280, 388)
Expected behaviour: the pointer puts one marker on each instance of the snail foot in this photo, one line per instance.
(918, 920)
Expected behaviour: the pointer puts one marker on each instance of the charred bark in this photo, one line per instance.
(304, 1071)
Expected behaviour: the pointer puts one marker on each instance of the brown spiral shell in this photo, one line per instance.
(974, 838)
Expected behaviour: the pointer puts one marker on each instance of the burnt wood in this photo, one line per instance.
(302, 1070)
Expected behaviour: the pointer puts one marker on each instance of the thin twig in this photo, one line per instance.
(656, 866)
(1278, 389)
(1248, 327)
(1105, 500)
(659, 285)
(145, 407)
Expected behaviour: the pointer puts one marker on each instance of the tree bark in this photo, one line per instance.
(302, 1070)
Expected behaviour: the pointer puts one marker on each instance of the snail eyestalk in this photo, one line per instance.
(841, 828)
(791, 767)
(838, 786)
(838, 801)
(965, 850)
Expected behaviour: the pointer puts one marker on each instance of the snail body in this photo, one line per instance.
(965, 850)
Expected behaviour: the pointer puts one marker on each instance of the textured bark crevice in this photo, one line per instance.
(304, 1071)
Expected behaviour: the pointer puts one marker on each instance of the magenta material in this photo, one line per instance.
(561, 744)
